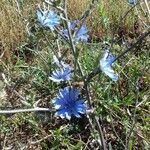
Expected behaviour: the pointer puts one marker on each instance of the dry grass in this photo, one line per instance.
(105, 19)
(13, 24)
(13, 21)
(77, 7)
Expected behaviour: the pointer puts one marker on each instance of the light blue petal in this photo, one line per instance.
(110, 60)
(48, 19)
(82, 34)
(61, 75)
(132, 2)
(80, 107)
(109, 72)
(83, 30)
(61, 113)
(54, 79)
(75, 113)
(74, 93)
(39, 15)
(105, 66)
(81, 110)
(59, 104)
(68, 115)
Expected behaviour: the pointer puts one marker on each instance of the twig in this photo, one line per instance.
(148, 9)
(25, 110)
(39, 141)
(22, 99)
(86, 145)
(4, 142)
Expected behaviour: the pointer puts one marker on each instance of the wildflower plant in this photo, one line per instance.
(67, 99)
(71, 101)
(106, 66)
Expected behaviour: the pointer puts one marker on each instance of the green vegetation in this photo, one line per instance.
(26, 64)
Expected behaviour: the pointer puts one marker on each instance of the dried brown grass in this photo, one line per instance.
(107, 9)
(13, 25)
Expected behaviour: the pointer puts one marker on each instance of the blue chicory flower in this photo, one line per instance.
(61, 75)
(67, 103)
(48, 19)
(132, 2)
(105, 65)
(79, 35)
